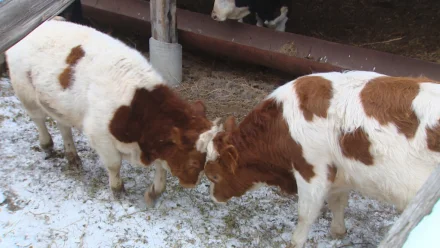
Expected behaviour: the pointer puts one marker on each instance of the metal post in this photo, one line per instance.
(165, 52)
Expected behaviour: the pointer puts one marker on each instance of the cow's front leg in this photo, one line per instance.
(311, 196)
(112, 160)
(158, 186)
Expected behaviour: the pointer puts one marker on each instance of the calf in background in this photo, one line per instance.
(333, 132)
(85, 79)
(268, 13)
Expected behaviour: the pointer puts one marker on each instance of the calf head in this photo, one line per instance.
(166, 128)
(227, 179)
(185, 161)
(260, 151)
(227, 9)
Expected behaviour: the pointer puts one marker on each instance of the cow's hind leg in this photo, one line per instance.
(44, 136)
(69, 147)
(24, 90)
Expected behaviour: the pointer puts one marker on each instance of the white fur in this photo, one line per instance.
(400, 166)
(226, 9)
(278, 24)
(103, 80)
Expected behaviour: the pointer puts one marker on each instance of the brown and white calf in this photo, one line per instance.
(334, 132)
(88, 80)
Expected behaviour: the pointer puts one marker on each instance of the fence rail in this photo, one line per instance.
(19, 17)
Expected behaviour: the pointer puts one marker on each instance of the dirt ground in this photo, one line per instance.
(410, 28)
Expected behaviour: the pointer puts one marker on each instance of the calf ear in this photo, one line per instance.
(230, 124)
(230, 157)
(176, 138)
(199, 108)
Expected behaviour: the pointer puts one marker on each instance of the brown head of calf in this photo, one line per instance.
(259, 150)
(165, 127)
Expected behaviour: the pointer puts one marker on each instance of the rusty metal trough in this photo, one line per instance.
(287, 52)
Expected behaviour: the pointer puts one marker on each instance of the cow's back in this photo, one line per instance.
(77, 70)
(375, 129)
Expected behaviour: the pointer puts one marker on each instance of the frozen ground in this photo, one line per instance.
(44, 205)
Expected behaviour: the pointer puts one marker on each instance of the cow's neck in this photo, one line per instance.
(265, 147)
(157, 113)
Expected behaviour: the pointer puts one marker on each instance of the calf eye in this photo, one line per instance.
(215, 178)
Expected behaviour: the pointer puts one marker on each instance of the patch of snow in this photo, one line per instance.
(43, 204)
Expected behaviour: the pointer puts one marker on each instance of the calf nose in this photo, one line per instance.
(214, 16)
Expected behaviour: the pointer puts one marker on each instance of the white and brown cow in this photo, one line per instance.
(88, 80)
(333, 132)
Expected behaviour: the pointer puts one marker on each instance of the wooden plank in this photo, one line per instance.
(163, 20)
(420, 206)
(19, 17)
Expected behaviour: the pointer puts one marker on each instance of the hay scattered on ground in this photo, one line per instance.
(225, 89)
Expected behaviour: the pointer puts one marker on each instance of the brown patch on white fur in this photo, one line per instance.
(389, 100)
(165, 127)
(433, 137)
(314, 94)
(72, 59)
(356, 145)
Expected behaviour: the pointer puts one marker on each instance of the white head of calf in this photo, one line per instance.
(227, 9)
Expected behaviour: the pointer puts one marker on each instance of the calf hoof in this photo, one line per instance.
(151, 196)
(293, 245)
(49, 153)
(48, 149)
(118, 191)
(338, 232)
(74, 161)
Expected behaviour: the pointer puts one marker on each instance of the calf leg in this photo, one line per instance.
(337, 202)
(44, 137)
(158, 186)
(311, 197)
(112, 160)
(281, 26)
(259, 20)
(38, 116)
(69, 146)
(25, 94)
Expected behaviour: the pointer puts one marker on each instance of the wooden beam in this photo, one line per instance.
(163, 20)
(20, 17)
(420, 206)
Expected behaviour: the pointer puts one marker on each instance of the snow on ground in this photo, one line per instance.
(44, 205)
